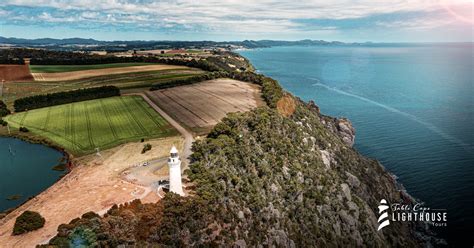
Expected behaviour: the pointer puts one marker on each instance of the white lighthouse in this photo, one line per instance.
(175, 172)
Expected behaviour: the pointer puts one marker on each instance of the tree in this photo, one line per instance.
(28, 221)
(146, 148)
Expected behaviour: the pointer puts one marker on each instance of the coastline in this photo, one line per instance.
(46, 142)
(423, 230)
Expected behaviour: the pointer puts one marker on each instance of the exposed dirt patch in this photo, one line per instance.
(61, 76)
(201, 106)
(286, 105)
(94, 184)
(11, 73)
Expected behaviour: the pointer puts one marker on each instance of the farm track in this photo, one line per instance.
(133, 117)
(147, 113)
(23, 119)
(67, 128)
(89, 126)
(107, 115)
(73, 126)
(47, 119)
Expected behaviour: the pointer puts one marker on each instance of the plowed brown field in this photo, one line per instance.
(11, 73)
(204, 104)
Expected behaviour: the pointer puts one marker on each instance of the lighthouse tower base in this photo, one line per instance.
(175, 180)
(175, 172)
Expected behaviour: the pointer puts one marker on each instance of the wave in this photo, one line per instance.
(394, 110)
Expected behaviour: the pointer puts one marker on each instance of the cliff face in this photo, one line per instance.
(265, 178)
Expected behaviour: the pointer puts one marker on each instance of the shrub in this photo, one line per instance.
(4, 111)
(189, 80)
(3, 123)
(146, 148)
(24, 129)
(28, 221)
(83, 237)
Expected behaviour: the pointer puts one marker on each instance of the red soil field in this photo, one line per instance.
(11, 73)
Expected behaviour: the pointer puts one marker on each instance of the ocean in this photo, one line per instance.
(411, 105)
(25, 170)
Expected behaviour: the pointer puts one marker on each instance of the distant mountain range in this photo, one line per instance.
(92, 44)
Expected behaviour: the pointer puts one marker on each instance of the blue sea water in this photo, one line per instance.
(25, 169)
(412, 107)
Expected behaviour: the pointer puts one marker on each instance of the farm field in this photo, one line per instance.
(82, 127)
(73, 75)
(67, 68)
(15, 90)
(15, 73)
(201, 106)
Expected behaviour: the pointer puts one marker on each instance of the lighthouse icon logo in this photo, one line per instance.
(383, 218)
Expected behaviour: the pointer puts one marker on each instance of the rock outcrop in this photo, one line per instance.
(346, 131)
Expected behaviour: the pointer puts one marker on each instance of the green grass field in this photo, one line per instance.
(67, 68)
(104, 123)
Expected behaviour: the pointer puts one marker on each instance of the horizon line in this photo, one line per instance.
(283, 40)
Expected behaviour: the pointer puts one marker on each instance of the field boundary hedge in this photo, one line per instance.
(189, 80)
(58, 98)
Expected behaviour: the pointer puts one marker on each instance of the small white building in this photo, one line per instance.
(175, 172)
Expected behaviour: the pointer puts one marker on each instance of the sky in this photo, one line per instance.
(342, 20)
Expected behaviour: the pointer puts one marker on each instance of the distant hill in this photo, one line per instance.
(47, 41)
(91, 44)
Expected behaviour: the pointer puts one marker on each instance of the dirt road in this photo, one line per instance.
(188, 136)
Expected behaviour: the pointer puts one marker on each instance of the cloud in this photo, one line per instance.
(247, 16)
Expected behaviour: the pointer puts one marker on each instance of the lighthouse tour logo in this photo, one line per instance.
(383, 218)
(398, 212)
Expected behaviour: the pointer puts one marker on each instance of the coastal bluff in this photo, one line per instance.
(263, 178)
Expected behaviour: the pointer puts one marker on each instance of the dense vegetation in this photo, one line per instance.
(41, 101)
(28, 221)
(49, 57)
(189, 80)
(4, 111)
